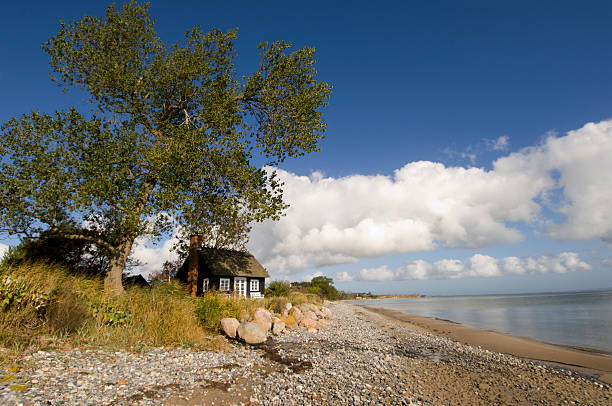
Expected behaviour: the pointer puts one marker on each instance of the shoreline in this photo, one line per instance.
(588, 361)
(363, 358)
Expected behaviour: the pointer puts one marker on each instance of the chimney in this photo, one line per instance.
(192, 270)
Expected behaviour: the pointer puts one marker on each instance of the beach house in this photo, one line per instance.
(236, 273)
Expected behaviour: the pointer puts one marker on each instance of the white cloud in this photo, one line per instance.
(477, 266)
(426, 205)
(3, 249)
(309, 277)
(152, 257)
(423, 206)
(500, 144)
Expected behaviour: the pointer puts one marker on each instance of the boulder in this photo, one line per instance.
(308, 323)
(278, 327)
(251, 333)
(326, 312)
(229, 326)
(263, 318)
(296, 313)
(288, 306)
(309, 314)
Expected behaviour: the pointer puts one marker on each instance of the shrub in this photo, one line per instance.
(278, 288)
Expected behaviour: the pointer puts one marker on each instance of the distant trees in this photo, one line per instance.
(319, 285)
(170, 142)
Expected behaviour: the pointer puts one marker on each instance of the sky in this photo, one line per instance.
(468, 147)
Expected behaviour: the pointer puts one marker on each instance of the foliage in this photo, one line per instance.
(111, 314)
(54, 248)
(278, 288)
(171, 141)
(319, 285)
(211, 308)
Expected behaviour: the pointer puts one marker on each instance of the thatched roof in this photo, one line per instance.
(222, 262)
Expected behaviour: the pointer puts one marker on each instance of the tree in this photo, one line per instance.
(173, 138)
(323, 286)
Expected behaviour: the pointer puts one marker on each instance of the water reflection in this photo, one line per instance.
(579, 319)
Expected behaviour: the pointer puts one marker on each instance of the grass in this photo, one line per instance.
(44, 306)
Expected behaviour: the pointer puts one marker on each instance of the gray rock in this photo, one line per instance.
(229, 326)
(251, 333)
(278, 327)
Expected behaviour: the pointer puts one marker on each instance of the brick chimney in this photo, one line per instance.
(192, 270)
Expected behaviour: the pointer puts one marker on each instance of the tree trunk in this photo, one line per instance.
(113, 280)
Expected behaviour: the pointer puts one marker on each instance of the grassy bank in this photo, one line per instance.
(46, 306)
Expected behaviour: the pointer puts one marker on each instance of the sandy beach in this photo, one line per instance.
(584, 361)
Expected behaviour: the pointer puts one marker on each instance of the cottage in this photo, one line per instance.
(237, 273)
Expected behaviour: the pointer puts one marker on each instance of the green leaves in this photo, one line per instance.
(172, 140)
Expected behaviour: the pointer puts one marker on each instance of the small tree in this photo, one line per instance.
(170, 141)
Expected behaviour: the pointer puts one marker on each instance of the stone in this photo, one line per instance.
(326, 312)
(308, 323)
(309, 314)
(229, 326)
(251, 333)
(278, 327)
(288, 306)
(263, 318)
(297, 314)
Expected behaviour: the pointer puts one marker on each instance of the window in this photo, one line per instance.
(205, 284)
(254, 285)
(224, 284)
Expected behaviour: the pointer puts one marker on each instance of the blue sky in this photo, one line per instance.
(473, 91)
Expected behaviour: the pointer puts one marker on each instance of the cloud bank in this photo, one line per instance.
(3, 249)
(477, 266)
(426, 205)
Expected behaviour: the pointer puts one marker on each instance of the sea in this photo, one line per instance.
(578, 319)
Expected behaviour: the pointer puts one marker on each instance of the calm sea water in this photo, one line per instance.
(581, 319)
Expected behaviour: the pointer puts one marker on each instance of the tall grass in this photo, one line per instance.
(77, 311)
(45, 305)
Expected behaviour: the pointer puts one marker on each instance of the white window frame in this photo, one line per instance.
(254, 285)
(224, 284)
(205, 284)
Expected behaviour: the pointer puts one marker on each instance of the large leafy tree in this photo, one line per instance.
(172, 139)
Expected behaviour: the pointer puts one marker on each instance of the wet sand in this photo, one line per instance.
(589, 362)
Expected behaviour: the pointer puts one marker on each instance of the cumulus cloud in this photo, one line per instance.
(477, 266)
(3, 249)
(427, 205)
(152, 257)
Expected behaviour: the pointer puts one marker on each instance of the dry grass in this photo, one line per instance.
(77, 312)
(59, 309)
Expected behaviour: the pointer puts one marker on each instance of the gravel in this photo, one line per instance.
(361, 359)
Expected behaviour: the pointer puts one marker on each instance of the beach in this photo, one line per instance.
(366, 357)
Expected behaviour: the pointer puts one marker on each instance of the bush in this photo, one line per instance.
(278, 289)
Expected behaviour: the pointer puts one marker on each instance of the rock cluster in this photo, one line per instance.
(306, 316)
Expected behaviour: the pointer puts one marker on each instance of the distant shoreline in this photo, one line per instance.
(586, 360)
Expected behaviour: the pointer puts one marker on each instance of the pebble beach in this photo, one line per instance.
(362, 358)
